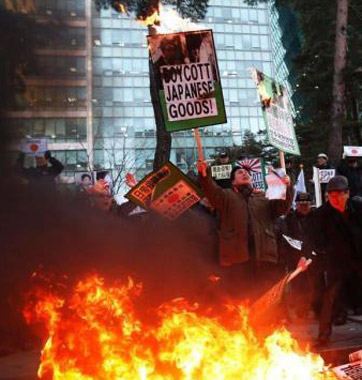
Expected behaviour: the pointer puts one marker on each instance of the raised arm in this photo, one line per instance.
(56, 166)
(214, 193)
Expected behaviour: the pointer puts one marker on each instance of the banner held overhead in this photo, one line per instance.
(187, 79)
(277, 114)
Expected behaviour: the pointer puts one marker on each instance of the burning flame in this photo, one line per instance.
(95, 334)
(167, 20)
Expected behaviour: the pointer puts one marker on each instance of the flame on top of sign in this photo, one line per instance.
(122, 8)
(167, 20)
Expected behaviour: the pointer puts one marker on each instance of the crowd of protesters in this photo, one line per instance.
(254, 235)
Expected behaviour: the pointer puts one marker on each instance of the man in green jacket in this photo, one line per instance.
(247, 240)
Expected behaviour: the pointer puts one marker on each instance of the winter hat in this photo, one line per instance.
(337, 183)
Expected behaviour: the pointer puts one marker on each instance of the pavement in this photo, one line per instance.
(345, 339)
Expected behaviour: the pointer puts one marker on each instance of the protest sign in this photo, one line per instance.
(353, 151)
(187, 79)
(276, 187)
(326, 174)
(277, 114)
(84, 179)
(219, 172)
(297, 244)
(317, 187)
(256, 167)
(167, 191)
(34, 146)
(351, 371)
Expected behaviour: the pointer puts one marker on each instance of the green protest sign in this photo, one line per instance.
(277, 114)
(167, 191)
(187, 79)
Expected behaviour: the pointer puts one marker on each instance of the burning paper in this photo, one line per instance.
(94, 333)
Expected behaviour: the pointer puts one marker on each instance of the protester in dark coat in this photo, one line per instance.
(353, 172)
(330, 232)
(292, 232)
(246, 226)
(43, 174)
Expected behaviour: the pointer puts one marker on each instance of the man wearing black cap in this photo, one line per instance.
(293, 228)
(247, 239)
(333, 233)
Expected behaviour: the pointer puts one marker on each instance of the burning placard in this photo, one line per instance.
(187, 79)
(167, 191)
(277, 114)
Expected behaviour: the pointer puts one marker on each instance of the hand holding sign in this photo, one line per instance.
(202, 167)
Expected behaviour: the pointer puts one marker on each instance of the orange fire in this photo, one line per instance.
(95, 334)
(167, 20)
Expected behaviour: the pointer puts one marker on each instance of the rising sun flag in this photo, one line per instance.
(95, 333)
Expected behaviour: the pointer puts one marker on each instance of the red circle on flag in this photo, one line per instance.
(34, 147)
(354, 151)
(173, 198)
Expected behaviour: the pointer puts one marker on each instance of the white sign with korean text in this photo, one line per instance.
(326, 174)
(221, 171)
(352, 371)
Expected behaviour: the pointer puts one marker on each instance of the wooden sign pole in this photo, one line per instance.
(199, 144)
(282, 159)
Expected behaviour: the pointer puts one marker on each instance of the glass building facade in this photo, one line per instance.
(286, 44)
(90, 95)
(55, 104)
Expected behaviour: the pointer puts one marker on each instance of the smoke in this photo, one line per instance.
(63, 235)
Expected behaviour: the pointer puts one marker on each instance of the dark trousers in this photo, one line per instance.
(327, 309)
(250, 280)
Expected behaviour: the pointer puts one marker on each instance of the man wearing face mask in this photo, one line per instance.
(247, 242)
(334, 232)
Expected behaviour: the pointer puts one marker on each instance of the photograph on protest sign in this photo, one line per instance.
(167, 191)
(106, 177)
(256, 168)
(187, 79)
(84, 179)
(34, 146)
(277, 114)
